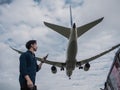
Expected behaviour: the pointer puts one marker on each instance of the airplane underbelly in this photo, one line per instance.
(72, 50)
(70, 64)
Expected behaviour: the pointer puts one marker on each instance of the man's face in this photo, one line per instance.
(34, 46)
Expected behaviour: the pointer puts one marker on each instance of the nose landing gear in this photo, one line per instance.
(69, 78)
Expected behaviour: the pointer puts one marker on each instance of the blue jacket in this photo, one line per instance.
(28, 66)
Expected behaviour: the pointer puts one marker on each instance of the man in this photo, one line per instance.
(29, 67)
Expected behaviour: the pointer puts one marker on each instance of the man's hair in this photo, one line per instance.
(28, 44)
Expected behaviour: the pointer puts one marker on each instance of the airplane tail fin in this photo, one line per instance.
(71, 19)
(60, 29)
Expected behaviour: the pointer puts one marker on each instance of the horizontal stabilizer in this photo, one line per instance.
(81, 30)
(59, 29)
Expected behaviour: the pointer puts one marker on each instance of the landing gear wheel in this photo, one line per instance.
(80, 67)
(62, 69)
(69, 77)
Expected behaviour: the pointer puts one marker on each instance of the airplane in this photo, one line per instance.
(72, 34)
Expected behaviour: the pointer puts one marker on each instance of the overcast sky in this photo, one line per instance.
(22, 20)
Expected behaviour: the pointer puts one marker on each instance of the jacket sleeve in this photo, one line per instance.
(23, 65)
(37, 68)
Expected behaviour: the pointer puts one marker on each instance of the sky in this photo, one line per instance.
(22, 20)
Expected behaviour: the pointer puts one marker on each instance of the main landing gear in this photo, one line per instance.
(62, 69)
(80, 67)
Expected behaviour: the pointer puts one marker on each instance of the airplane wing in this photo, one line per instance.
(20, 52)
(59, 29)
(58, 64)
(82, 29)
(79, 63)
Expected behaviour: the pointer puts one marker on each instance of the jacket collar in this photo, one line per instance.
(30, 52)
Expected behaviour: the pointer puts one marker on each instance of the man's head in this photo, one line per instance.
(31, 44)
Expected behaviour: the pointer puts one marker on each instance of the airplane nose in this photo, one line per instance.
(69, 73)
(74, 26)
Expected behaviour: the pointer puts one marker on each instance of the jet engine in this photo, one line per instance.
(53, 69)
(86, 67)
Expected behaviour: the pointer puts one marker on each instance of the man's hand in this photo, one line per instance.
(30, 84)
(44, 58)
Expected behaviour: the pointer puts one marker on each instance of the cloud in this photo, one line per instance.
(5, 2)
(37, 1)
(23, 20)
(74, 3)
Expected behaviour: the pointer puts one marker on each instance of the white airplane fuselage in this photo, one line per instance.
(71, 52)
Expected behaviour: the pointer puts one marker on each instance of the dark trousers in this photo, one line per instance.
(26, 88)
